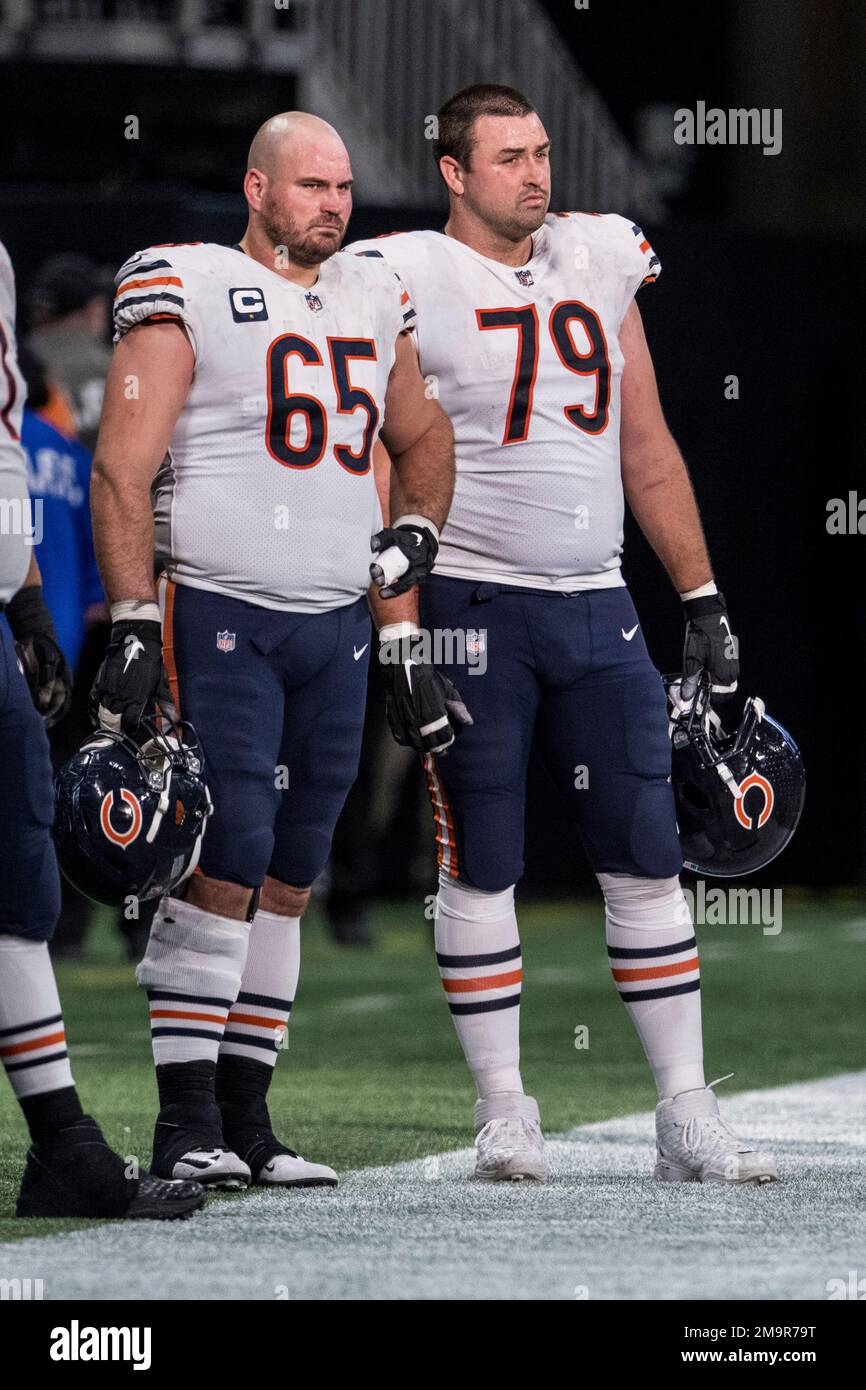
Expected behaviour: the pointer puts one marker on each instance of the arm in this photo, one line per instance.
(137, 424)
(147, 384)
(655, 480)
(419, 438)
(660, 495)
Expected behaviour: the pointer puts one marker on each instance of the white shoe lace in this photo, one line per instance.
(503, 1137)
(711, 1130)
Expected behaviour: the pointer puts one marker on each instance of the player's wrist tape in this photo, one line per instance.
(397, 631)
(700, 607)
(137, 610)
(412, 520)
(702, 591)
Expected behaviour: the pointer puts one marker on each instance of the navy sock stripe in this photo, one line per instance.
(490, 958)
(266, 1044)
(212, 1035)
(176, 996)
(646, 953)
(485, 1006)
(266, 1001)
(36, 1061)
(666, 993)
(28, 1027)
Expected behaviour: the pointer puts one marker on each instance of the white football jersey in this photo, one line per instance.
(526, 361)
(267, 491)
(16, 523)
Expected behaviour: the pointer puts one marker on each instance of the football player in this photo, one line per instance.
(249, 385)
(528, 331)
(70, 1169)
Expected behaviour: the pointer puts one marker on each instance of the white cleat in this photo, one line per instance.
(509, 1141)
(218, 1168)
(291, 1170)
(695, 1145)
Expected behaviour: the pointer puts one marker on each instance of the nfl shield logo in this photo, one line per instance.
(313, 302)
(226, 641)
(524, 277)
(474, 642)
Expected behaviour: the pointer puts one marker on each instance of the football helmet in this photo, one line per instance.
(130, 815)
(738, 796)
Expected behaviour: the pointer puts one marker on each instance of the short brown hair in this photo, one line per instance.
(457, 117)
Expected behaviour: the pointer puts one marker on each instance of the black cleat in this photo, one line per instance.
(75, 1173)
(188, 1143)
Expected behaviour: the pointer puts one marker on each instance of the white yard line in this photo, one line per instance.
(602, 1230)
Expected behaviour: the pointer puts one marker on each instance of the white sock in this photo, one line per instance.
(478, 953)
(32, 1036)
(654, 962)
(258, 1019)
(192, 973)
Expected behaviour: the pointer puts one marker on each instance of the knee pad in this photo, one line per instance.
(644, 904)
(194, 952)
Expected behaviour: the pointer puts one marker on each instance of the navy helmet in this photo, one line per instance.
(739, 795)
(130, 815)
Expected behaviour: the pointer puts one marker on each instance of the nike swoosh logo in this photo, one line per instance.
(359, 654)
(629, 635)
(723, 619)
(269, 1167)
(132, 650)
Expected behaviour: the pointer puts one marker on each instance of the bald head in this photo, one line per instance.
(287, 135)
(298, 186)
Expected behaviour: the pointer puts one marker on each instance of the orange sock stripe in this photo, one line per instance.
(15, 1049)
(656, 972)
(186, 1013)
(256, 1021)
(482, 982)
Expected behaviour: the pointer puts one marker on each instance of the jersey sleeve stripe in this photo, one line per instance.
(145, 284)
(160, 298)
(139, 268)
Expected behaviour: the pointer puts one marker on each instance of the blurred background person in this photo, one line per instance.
(68, 308)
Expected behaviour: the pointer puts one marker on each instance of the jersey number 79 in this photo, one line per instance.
(595, 363)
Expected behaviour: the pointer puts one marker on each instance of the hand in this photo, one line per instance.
(43, 664)
(407, 553)
(711, 645)
(424, 709)
(131, 679)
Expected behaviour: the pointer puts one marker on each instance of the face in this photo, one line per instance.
(507, 184)
(306, 204)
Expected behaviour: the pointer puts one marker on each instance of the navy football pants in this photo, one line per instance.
(29, 877)
(572, 674)
(277, 700)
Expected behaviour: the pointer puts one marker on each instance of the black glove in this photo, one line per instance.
(419, 546)
(424, 709)
(710, 644)
(131, 679)
(45, 668)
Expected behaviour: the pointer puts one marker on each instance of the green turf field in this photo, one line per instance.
(373, 1073)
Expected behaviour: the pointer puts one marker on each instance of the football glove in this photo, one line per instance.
(424, 709)
(407, 552)
(42, 663)
(131, 679)
(710, 645)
